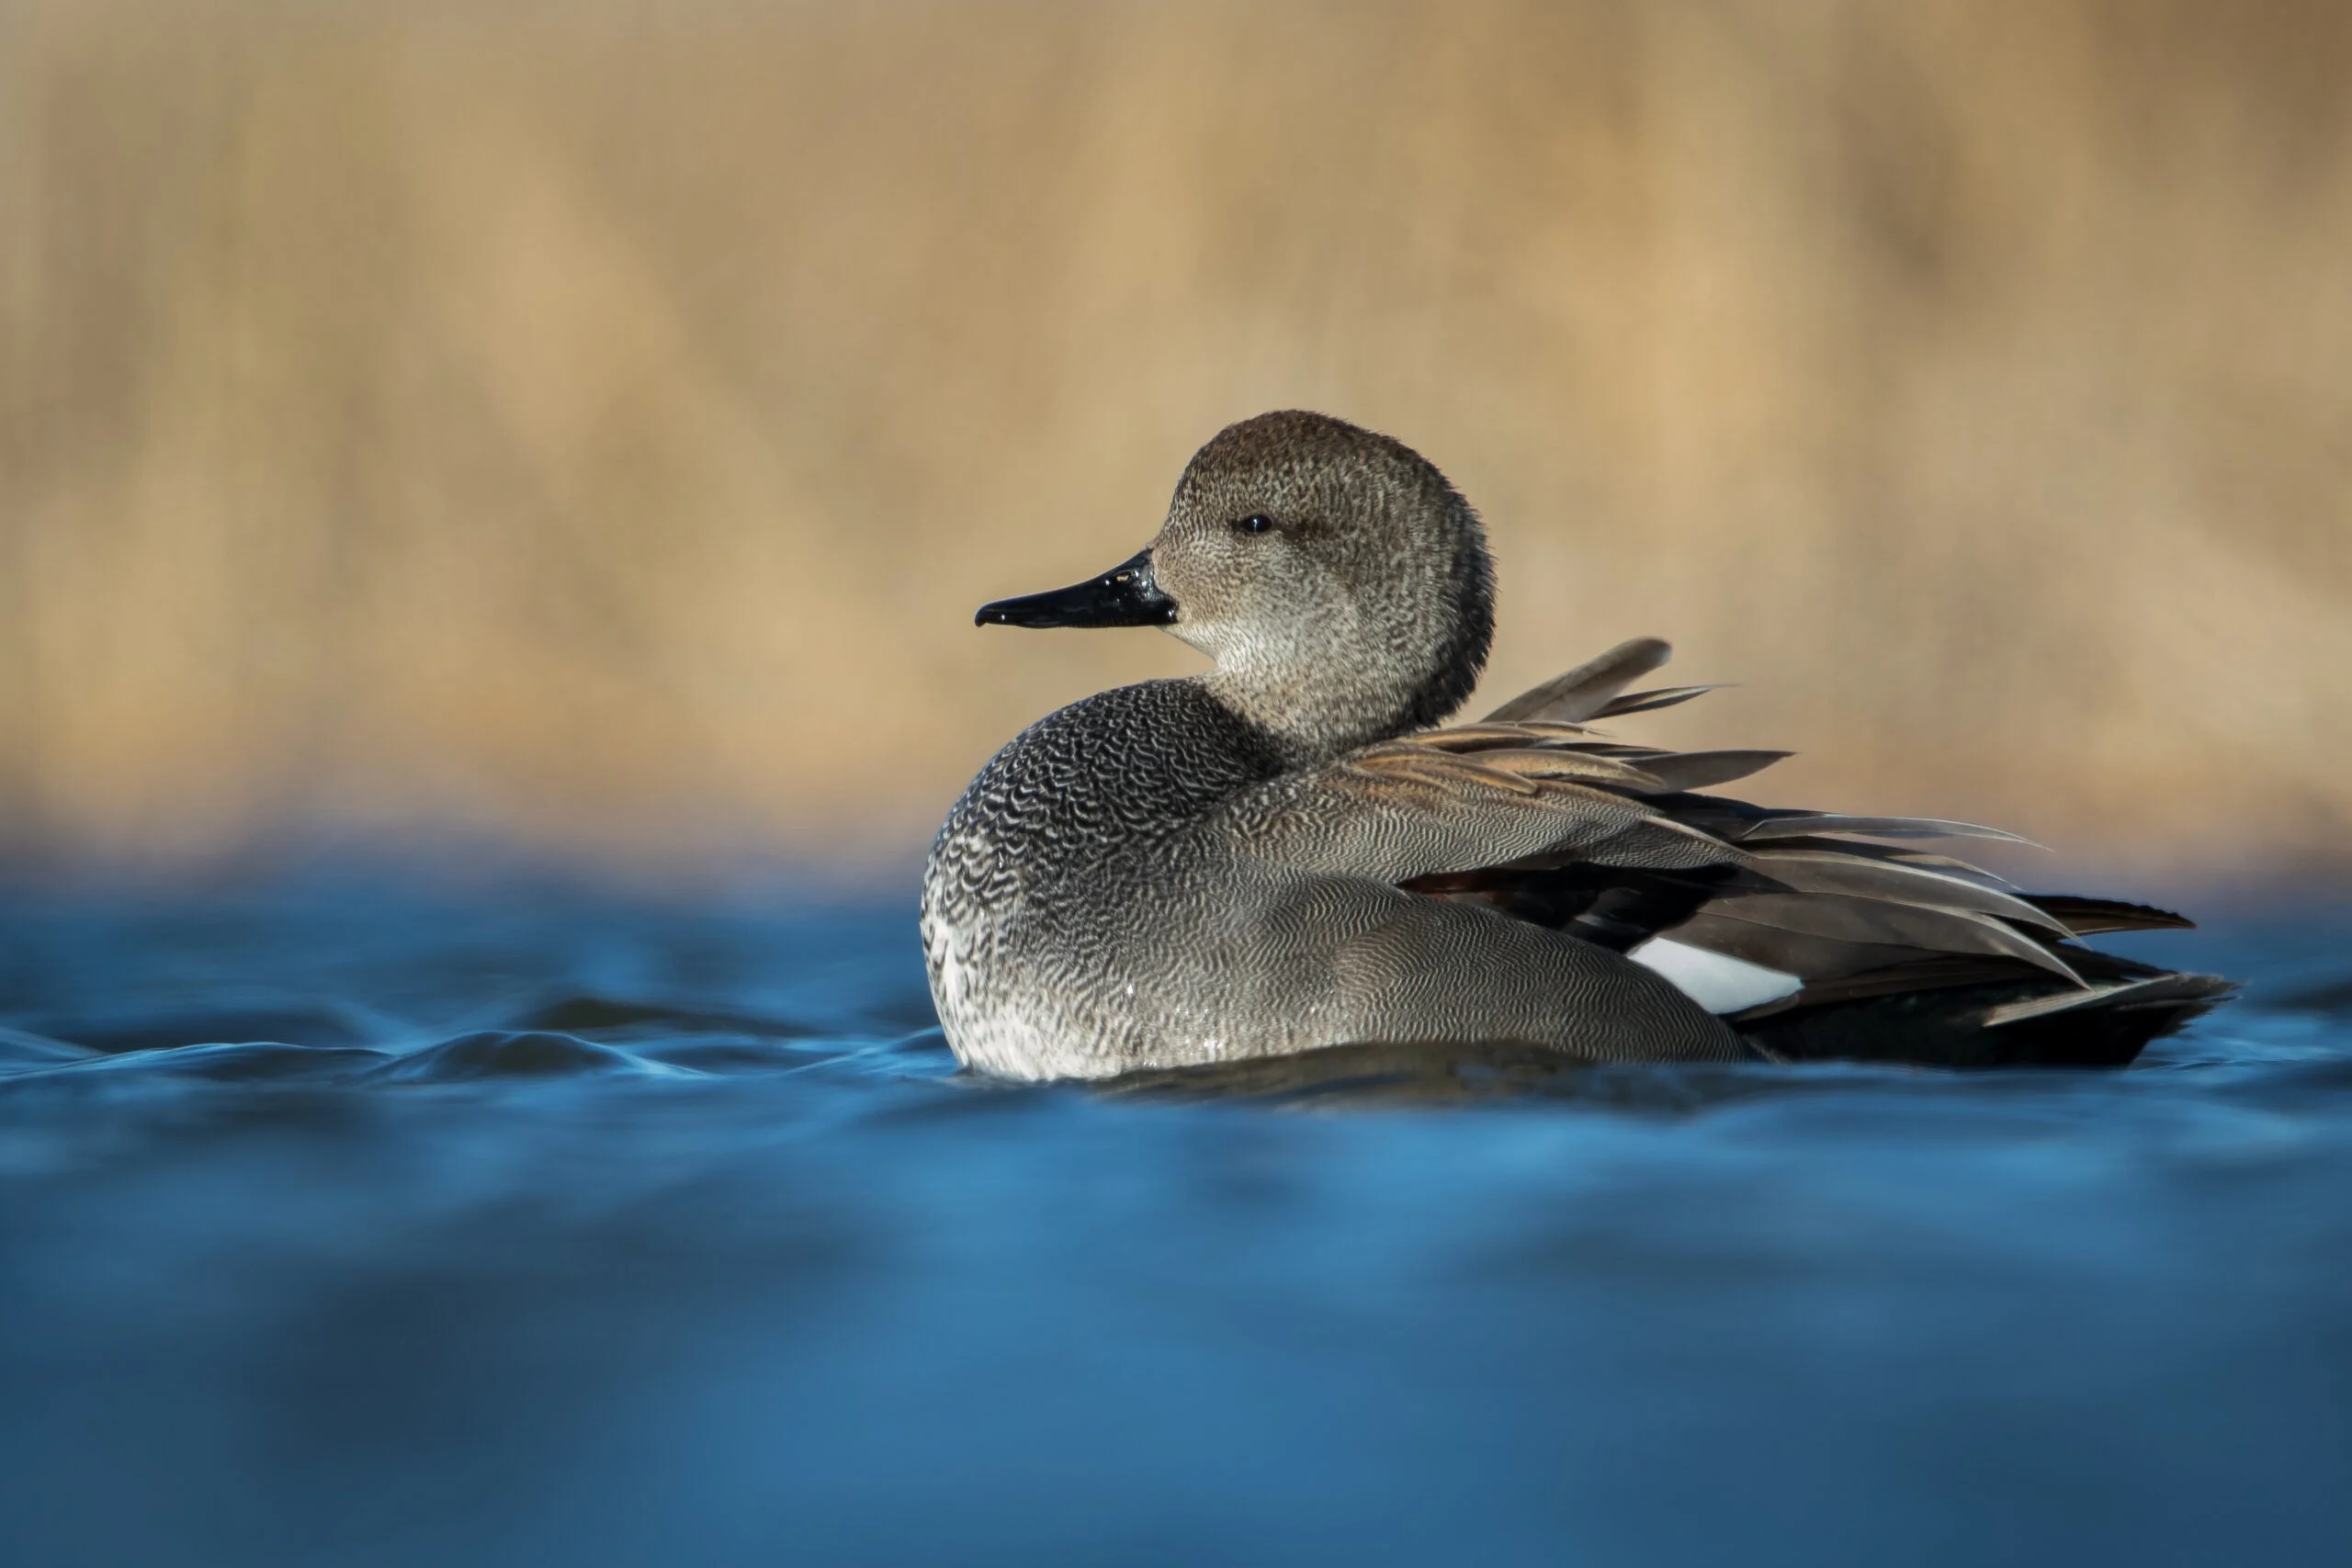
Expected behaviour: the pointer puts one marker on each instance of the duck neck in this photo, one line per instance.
(1357, 677)
(1313, 721)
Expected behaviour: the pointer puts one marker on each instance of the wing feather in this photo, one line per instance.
(1584, 691)
(1661, 697)
(2089, 916)
(1826, 870)
(1541, 816)
(1782, 827)
(1880, 922)
(1411, 809)
(1696, 769)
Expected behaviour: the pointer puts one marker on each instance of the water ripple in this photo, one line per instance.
(350, 1225)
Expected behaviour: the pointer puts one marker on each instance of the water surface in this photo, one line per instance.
(343, 1223)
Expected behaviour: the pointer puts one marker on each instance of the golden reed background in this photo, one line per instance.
(593, 423)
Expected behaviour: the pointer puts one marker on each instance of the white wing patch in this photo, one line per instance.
(1716, 981)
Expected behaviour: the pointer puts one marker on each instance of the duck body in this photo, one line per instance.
(1288, 853)
(1110, 894)
(1047, 892)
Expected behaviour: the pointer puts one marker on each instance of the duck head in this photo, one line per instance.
(1341, 585)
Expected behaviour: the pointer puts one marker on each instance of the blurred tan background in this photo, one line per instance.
(592, 424)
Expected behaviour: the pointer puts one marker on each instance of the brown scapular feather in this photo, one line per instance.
(1486, 735)
(1578, 800)
(1493, 736)
(1659, 697)
(1566, 764)
(1527, 756)
(1697, 769)
(1876, 827)
(1439, 772)
(1584, 691)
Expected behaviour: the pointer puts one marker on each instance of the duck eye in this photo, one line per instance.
(1256, 523)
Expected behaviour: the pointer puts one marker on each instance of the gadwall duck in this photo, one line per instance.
(1285, 853)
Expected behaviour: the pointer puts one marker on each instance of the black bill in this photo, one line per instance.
(1123, 596)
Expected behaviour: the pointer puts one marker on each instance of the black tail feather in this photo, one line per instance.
(1946, 1027)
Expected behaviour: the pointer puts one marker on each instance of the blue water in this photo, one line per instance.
(348, 1223)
